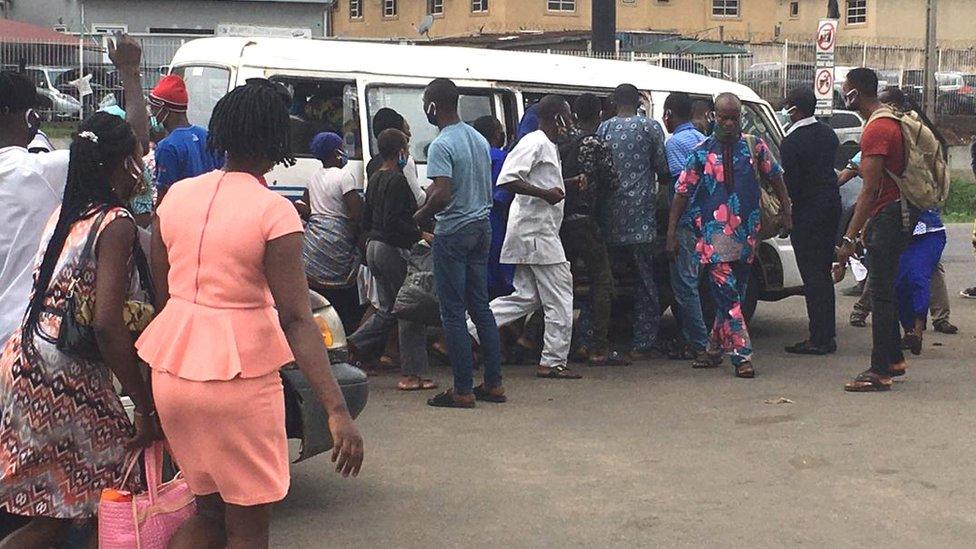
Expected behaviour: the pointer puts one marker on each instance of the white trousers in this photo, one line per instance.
(549, 287)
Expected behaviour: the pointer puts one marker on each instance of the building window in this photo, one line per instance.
(356, 9)
(857, 12)
(389, 8)
(435, 7)
(562, 5)
(725, 8)
(794, 8)
(479, 6)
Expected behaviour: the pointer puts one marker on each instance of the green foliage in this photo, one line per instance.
(960, 207)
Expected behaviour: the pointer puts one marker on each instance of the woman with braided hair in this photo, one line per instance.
(233, 302)
(64, 432)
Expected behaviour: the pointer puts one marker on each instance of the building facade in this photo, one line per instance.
(885, 22)
(308, 18)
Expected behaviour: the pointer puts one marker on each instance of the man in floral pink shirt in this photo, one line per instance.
(720, 190)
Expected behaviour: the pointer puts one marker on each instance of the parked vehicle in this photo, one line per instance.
(848, 125)
(338, 85)
(55, 104)
(305, 419)
(954, 96)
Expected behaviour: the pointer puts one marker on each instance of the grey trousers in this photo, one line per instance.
(388, 265)
(938, 301)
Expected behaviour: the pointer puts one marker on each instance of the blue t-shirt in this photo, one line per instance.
(461, 154)
(183, 154)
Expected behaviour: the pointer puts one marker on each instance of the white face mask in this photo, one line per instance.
(850, 98)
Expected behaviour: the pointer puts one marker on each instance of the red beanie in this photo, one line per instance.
(170, 93)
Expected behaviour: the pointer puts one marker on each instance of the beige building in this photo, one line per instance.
(888, 22)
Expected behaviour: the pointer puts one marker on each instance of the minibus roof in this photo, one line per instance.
(447, 62)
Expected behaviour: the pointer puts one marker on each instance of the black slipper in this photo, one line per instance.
(446, 400)
(613, 358)
(482, 394)
(559, 372)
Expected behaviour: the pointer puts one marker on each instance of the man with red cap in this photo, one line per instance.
(183, 153)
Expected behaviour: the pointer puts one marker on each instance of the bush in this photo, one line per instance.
(960, 207)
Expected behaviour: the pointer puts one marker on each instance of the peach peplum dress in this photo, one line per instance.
(216, 347)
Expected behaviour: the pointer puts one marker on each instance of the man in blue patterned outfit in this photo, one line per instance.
(629, 221)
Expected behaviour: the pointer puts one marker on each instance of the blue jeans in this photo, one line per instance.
(685, 276)
(461, 282)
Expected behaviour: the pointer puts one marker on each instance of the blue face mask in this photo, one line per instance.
(156, 125)
(343, 160)
(402, 162)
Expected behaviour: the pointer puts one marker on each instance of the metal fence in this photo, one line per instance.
(773, 69)
(74, 80)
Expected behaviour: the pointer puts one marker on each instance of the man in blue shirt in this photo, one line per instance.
(685, 267)
(637, 144)
(459, 163)
(183, 153)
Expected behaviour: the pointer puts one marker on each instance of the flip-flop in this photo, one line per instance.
(482, 394)
(612, 359)
(446, 400)
(867, 382)
(421, 385)
(559, 372)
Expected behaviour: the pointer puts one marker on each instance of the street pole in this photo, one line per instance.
(604, 26)
(931, 59)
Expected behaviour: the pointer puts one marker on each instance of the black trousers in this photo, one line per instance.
(885, 239)
(814, 228)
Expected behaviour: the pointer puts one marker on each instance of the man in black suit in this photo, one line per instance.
(809, 150)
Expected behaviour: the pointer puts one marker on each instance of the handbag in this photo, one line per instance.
(145, 520)
(771, 210)
(76, 336)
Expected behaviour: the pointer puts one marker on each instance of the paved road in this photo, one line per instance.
(659, 454)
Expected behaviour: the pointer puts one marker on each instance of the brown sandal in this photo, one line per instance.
(704, 359)
(868, 382)
(745, 370)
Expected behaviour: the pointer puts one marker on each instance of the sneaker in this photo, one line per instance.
(945, 327)
(968, 293)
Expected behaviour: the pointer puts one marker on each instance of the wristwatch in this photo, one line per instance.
(849, 240)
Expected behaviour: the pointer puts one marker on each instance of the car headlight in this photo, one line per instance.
(326, 331)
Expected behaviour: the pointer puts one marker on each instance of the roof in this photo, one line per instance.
(18, 32)
(447, 62)
(690, 47)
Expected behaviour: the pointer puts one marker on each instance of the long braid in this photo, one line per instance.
(252, 121)
(86, 193)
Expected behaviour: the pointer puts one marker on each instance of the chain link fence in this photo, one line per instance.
(75, 80)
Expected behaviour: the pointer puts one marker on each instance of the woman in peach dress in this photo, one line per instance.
(226, 255)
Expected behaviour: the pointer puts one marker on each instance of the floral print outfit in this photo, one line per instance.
(723, 194)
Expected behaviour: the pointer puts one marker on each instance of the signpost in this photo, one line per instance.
(823, 80)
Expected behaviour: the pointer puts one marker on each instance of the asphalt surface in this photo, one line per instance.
(660, 454)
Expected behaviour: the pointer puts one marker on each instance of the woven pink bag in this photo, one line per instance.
(147, 520)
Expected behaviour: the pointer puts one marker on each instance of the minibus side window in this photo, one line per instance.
(408, 102)
(205, 86)
(320, 105)
(755, 123)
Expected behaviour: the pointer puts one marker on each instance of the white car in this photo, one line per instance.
(56, 104)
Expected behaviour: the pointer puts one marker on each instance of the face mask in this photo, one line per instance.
(402, 162)
(432, 114)
(33, 122)
(343, 159)
(727, 135)
(787, 112)
(850, 99)
(156, 124)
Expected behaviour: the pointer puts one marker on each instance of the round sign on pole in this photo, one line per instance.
(824, 83)
(826, 36)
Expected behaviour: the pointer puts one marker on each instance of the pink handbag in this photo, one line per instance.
(146, 520)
